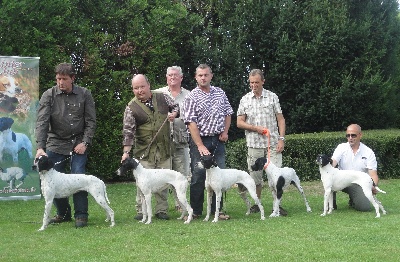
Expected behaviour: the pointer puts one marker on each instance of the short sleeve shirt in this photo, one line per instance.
(363, 160)
(260, 111)
(207, 110)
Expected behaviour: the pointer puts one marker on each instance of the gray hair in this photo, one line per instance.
(175, 68)
(254, 72)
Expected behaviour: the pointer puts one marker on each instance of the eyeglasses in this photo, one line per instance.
(351, 135)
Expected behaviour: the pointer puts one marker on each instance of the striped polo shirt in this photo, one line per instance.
(207, 110)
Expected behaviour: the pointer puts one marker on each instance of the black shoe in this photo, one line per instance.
(162, 216)
(80, 222)
(282, 212)
(139, 216)
(59, 219)
(254, 209)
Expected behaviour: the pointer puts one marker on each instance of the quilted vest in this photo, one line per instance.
(147, 125)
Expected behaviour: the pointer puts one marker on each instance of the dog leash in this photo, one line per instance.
(267, 133)
(65, 159)
(152, 140)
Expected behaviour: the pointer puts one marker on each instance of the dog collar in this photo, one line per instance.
(266, 164)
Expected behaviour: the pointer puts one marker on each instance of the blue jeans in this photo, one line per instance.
(197, 184)
(77, 164)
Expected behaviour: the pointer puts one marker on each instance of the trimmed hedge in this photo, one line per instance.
(301, 151)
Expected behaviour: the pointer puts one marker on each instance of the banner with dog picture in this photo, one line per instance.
(19, 96)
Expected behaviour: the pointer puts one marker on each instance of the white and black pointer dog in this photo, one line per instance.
(11, 175)
(335, 179)
(149, 181)
(278, 180)
(13, 143)
(220, 180)
(55, 184)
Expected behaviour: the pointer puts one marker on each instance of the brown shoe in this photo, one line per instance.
(80, 222)
(223, 216)
(59, 219)
(194, 217)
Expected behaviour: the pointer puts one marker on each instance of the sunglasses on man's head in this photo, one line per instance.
(351, 135)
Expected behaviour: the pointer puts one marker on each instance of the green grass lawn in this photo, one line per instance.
(346, 235)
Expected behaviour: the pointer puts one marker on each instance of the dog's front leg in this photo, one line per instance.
(218, 195)
(209, 200)
(144, 206)
(46, 215)
(147, 207)
(327, 195)
(275, 204)
(330, 203)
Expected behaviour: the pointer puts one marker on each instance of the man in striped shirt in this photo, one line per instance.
(207, 113)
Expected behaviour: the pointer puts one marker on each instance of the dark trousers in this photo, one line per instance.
(78, 166)
(197, 184)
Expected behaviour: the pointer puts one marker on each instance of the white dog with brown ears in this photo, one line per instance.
(335, 179)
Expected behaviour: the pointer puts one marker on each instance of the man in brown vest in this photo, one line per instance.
(145, 129)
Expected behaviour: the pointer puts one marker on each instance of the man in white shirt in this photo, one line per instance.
(355, 155)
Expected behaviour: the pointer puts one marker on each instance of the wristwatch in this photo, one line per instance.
(85, 143)
(281, 138)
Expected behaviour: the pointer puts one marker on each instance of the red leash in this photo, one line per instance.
(266, 133)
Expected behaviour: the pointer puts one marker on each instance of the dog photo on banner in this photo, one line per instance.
(19, 96)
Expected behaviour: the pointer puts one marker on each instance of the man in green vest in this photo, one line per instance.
(146, 131)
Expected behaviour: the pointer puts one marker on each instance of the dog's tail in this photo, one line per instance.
(379, 190)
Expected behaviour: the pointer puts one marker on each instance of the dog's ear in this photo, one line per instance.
(44, 163)
(261, 161)
(9, 121)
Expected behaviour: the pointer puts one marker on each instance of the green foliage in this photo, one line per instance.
(330, 62)
(301, 151)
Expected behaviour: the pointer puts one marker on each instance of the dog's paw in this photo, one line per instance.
(309, 210)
